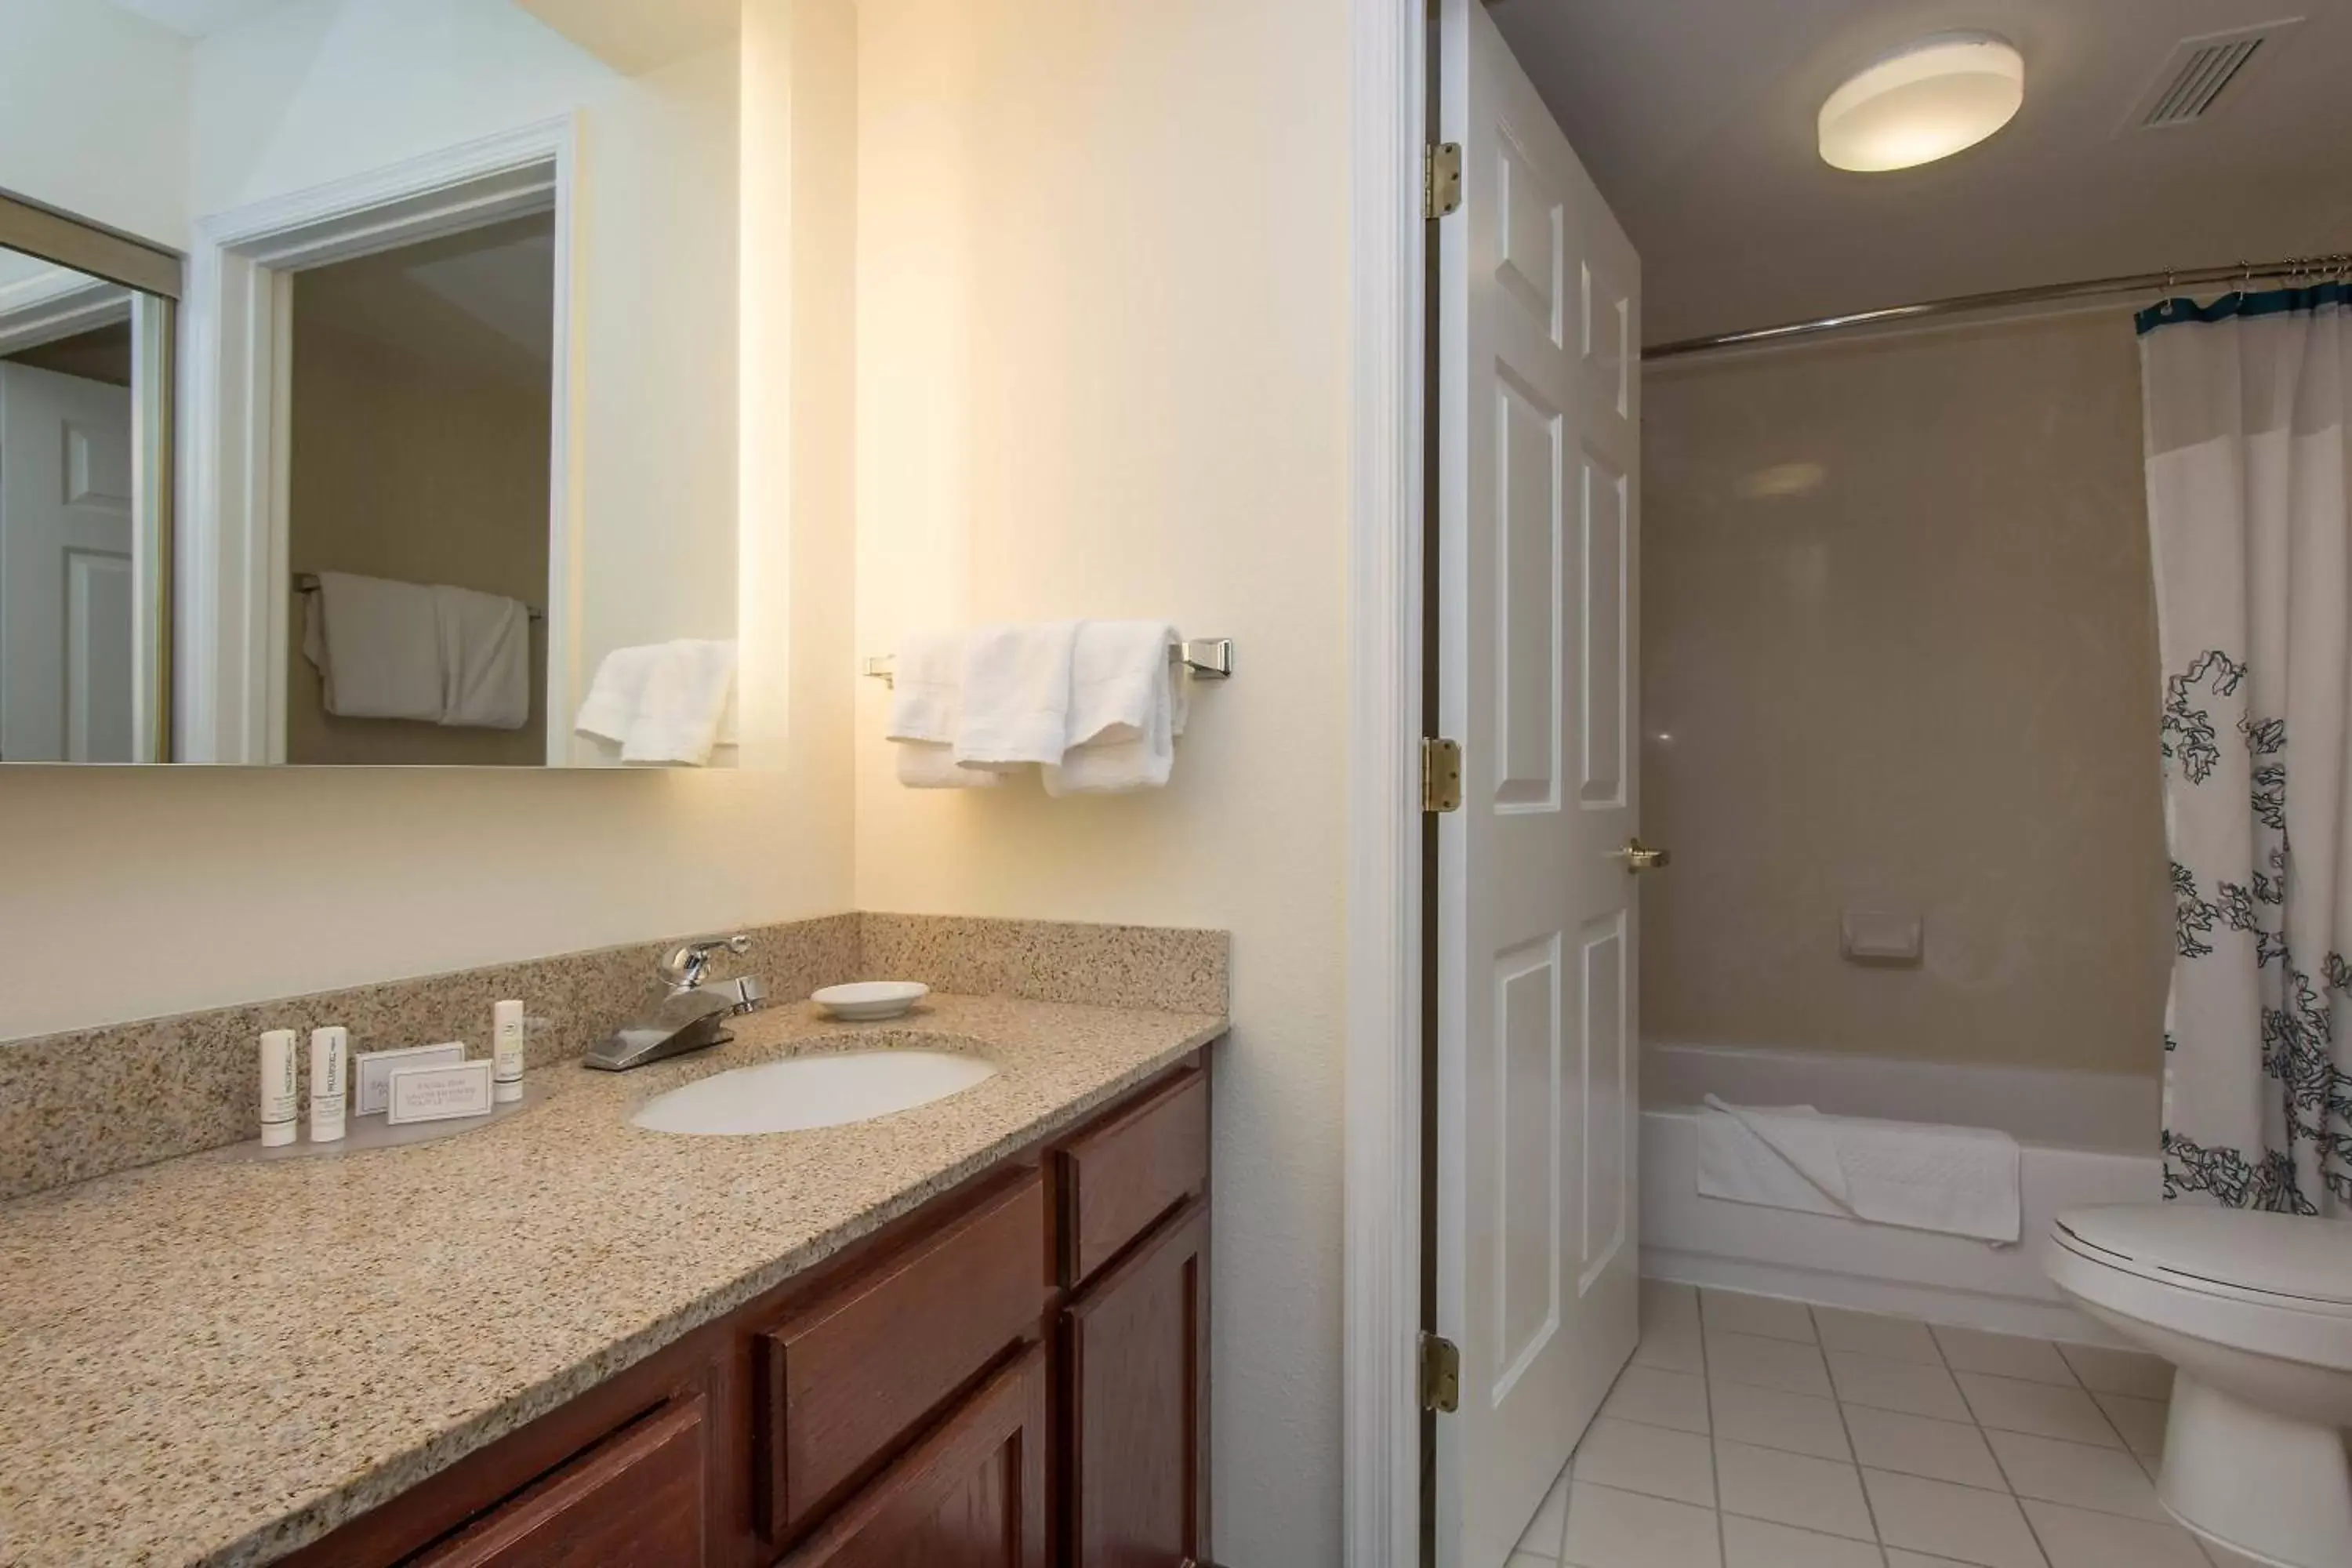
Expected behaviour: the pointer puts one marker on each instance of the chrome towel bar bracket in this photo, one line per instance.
(1204, 659)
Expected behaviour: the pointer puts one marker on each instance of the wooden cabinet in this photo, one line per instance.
(1014, 1375)
(1138, 1346)
(846, 1377)
(1125, 1172)
(970, 1495)
(635, 1498)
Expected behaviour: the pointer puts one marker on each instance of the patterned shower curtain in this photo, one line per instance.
(2248, 455)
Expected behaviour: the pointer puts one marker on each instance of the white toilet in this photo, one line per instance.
(2255, 1313)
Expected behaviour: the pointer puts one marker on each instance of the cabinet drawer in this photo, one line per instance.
(635, 1498)
(1120, 1175)
(972, 1494)
(843, 1381)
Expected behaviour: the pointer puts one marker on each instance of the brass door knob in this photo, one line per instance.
(1640, 858)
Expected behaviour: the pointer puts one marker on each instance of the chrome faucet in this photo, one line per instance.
(689, 1016)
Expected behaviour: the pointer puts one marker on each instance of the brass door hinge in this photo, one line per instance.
(1441, 774)
(1442, 180)
(1441, 1375)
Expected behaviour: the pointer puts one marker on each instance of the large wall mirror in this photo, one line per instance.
(368, 383)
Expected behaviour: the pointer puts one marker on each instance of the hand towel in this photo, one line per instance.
(377, 647)
(1962, 1181)
(926, 693)
(683, 704)
(655, 701)
(1015, 706)
(1128, 705)
(614, 696)
(485, 642)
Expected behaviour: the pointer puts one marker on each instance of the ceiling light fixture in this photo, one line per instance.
(1924, 102)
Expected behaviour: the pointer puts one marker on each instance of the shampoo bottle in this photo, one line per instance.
(506, 1052)
(331, 1055)
(281, 1099)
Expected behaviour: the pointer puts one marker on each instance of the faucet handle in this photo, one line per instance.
(683, 967)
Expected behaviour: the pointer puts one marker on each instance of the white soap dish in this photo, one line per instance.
(869, 1000)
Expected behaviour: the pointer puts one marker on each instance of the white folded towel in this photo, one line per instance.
(484, 658)
(613, 696)
(377, 647)
(665, 704)
(1015, 704)
(1962, 1181)
(1128, 705)
(926, 694)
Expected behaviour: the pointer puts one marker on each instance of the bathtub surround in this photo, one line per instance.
(2249, 441)
(1899, 655)
(79, 1105)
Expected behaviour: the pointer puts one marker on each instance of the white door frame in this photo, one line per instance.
(43, 309)
(237, 597)
(1381, 1457)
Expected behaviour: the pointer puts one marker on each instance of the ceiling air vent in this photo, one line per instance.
(2203, 73)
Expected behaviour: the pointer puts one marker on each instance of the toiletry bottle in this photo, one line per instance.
(506, 1052)
(281, 1099)
(331, 1055)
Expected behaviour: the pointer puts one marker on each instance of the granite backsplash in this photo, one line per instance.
(90, 1102)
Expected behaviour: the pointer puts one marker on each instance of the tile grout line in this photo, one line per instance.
(1852, 1448)
(1707, 1392)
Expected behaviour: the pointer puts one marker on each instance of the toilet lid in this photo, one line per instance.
(2307, 1261)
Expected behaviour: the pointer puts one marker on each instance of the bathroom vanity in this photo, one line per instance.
(1015, 1374)
(972, 1333)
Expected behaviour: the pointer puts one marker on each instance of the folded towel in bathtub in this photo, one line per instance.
(1962, 1181)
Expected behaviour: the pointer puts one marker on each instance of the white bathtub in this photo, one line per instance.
(2087, 1138)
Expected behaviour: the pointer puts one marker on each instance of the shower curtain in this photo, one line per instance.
(2248, 454)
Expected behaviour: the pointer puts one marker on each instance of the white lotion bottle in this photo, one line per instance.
(281, 1093)
(331, 1082)
(506, 1052)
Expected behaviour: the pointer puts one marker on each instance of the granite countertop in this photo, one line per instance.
(215, 1361)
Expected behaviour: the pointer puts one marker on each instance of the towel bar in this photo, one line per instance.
(1204, 659)
(307, 582)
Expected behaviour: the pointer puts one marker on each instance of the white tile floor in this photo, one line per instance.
(1752, 1433)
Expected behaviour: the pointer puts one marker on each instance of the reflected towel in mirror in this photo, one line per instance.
(433, 655)
(664, 704)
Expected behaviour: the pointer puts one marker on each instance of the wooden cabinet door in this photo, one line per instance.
(970, 1495)
(1139, 1347)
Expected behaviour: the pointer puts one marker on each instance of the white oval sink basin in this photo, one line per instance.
(801, 1092)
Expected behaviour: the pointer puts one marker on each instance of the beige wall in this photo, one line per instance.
(420, 453)
(1898, 651)
(132, 892)
(1104, 353)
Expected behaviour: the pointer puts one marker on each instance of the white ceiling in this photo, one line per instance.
(198, 18)
(1697, 119)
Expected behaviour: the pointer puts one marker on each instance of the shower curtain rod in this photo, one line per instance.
(1962, 304)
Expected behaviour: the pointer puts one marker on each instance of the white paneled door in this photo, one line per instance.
(1539, 506)
(66, 603)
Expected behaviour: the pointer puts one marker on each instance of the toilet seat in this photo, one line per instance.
(2279, 1259)
(2277, 1284)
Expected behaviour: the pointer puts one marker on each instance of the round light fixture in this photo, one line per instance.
(1925, 103)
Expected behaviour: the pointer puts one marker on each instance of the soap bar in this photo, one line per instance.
(438, 1093)
(371, 1070)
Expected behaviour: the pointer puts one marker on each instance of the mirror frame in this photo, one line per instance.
(155, 276)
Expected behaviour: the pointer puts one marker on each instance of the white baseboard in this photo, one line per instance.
(1930, 1303)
